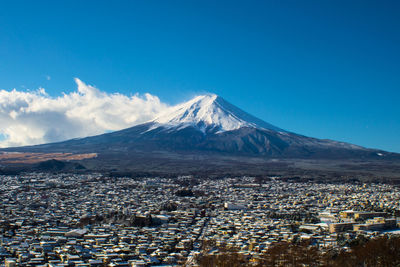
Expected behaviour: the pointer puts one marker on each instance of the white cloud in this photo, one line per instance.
(28, 118)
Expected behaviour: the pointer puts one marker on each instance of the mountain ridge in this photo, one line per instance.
(208, 124)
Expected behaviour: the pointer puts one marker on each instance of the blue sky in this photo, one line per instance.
(327, 69)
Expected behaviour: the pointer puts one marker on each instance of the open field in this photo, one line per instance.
(30, 158)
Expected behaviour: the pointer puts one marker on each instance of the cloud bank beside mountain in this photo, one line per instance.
(29, 118)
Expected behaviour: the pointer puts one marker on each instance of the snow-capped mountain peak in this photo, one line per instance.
(207, 126)
(210, 113)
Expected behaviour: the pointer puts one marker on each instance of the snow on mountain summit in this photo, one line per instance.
(210, 113)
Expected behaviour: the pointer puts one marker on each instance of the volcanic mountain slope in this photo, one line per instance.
(209, 125)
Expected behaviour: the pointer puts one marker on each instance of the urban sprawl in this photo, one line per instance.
(96, 220)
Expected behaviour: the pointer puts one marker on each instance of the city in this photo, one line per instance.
(96, 220)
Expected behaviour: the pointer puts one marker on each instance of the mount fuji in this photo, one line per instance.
(208, 125)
